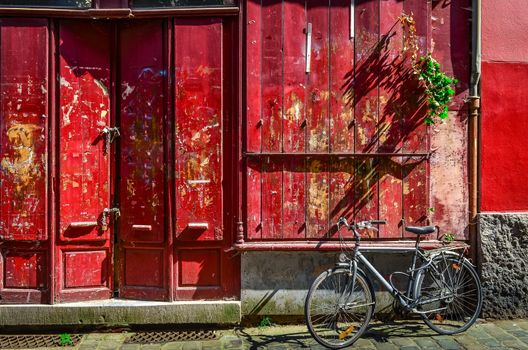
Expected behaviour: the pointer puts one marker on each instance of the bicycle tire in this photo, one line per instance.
(342, 315)
(458, 290)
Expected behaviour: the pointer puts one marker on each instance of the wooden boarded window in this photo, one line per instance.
(346, 138)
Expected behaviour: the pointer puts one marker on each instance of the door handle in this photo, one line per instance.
(198, 225)
(308, 46)
(82, 224)
(142, 227)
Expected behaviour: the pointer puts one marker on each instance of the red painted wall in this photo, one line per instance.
(504, 161)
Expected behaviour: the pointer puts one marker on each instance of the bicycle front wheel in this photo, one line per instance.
(450, 295)
(338, 308)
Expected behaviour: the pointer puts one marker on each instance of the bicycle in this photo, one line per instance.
(445, 290)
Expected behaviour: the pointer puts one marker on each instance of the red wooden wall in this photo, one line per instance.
(348, 138)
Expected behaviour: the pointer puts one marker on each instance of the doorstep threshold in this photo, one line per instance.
(114, 312)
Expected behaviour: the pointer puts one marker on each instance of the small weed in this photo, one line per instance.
(265, 322)
(65, 339)
(449, 237)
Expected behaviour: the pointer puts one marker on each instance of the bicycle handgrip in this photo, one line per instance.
(378, 222)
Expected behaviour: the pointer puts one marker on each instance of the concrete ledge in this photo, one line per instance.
(119, 312)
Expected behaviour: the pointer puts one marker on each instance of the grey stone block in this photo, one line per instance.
(503, 253)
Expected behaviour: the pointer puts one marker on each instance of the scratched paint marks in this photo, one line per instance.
(294, 76)
(24, 270)
(449, 191)
(341, 74)
(254, 118)
(272, 198)
(366, 79)
(254, 195)
(83, 113)
(449, 174)
(23, 124)
(142, 133)
(366, 190)
(317, 197)
(294, 198)
(450, 30)
(198, 50)
(83, 252)
(392, 72)
(416, 138)
(294, 119)
(390, 197)
(366, 85)
(341, 191)
(253, 83)
(271, 75)
(318, 88)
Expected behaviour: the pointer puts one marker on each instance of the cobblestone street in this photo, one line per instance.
(395, 335)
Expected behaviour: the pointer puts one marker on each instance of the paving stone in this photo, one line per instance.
(192, 345)
(523, 340)
(211, 344)
(130, 347)
(231, 342)
(402, 342)
(109, 345)
(172, 346)
(467, 341)
(448, 344)
(94, 336)
(490, 342)
(88, 347)
(364, 343)
(514, 344)
(426, 343)
(519, 333)
(151, 347)
(385, 346)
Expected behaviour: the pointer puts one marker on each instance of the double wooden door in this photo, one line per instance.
(138, 134)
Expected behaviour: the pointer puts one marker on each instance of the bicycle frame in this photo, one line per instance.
(408, 300)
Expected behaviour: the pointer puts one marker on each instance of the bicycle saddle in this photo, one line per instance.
(420, 230)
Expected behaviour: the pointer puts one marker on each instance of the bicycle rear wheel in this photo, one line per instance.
(450, 295)
(338, 309)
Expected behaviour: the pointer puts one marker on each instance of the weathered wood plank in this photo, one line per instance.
(253, 83)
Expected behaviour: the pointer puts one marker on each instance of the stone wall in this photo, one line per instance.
(503, 263)
(276, 283)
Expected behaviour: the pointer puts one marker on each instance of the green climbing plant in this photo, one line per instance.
(438, 86)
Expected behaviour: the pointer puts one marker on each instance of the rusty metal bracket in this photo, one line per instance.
(109, 134)
(106, 213)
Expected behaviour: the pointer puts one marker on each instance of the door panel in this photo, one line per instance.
(142, 188)
(24, 244)
(198, 66)
(202, 268)
(84, 256)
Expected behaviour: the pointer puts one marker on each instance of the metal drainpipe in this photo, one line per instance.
(474, 109)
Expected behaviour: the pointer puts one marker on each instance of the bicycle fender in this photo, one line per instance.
(453, 254)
